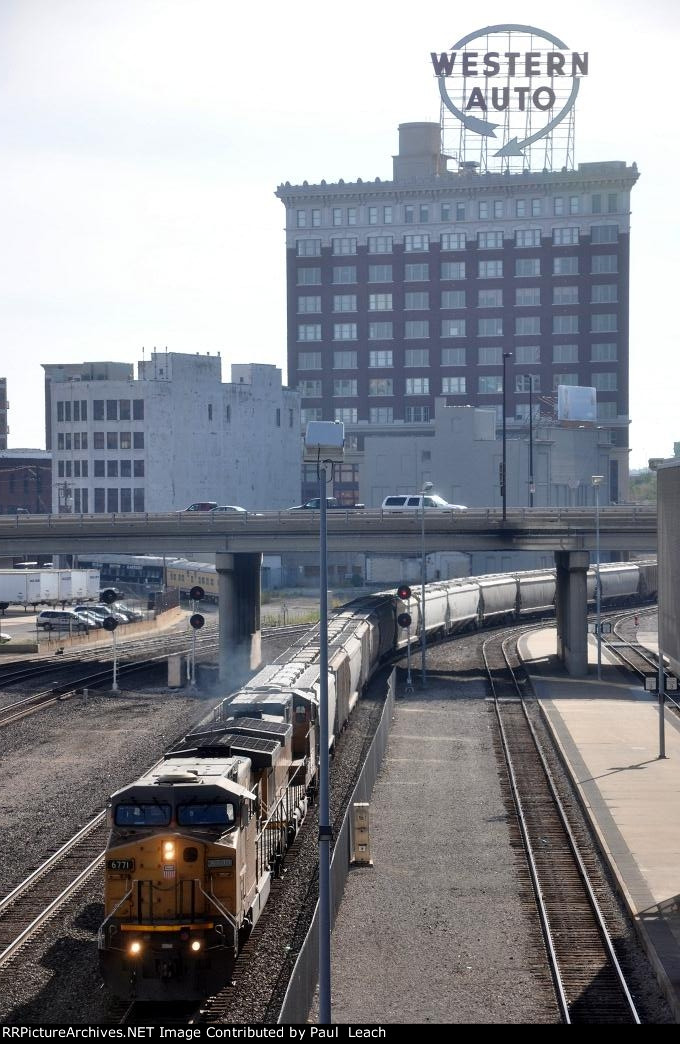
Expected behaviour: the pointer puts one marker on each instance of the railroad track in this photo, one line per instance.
(589, 984)
(30, 905)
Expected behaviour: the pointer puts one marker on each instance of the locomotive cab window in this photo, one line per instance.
(138, 815)
(209, 814)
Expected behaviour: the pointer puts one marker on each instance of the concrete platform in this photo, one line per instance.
(608, 732)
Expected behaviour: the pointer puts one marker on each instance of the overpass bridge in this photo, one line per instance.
(239, 540)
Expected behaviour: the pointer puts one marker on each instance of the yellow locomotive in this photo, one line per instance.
(194, 843)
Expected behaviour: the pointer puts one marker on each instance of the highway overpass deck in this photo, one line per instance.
(621, 528)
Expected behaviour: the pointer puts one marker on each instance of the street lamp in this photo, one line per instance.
(506, 356)
(324, 444)
(532, 488)
(427, 487)
(597, 481)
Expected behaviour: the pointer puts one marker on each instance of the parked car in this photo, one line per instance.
(61, 620)
(331, 502)
(133, 615)
(102, 611)
(202, 505)
(226, 509)
(91, 619)
(416, 502)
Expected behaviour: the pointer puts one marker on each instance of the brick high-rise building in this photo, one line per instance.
(405, 290)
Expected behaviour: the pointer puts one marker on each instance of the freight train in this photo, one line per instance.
(196, 840)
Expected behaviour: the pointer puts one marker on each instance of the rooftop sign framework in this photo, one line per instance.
(507, 98)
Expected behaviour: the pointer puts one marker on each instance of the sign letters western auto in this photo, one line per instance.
(542, 78)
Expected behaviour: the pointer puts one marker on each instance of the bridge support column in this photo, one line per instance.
(571, 610)
(238, 584)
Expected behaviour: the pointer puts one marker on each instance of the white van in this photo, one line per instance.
(416, 502)
(61, 620)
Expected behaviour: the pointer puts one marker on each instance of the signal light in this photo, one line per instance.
(404, 592)
(109, 596)
(404, 619)
(196, 594)
(135, 948)
(195, 946)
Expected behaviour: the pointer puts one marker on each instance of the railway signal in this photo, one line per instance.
(109, 596)
(110, 623)
(404, 620)
(196, 620)
(404, 592)
(197, 594)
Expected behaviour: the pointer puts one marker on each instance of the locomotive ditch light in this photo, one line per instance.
(404, 592)
(168, 850)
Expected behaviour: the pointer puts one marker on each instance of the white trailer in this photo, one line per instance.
(48, 586)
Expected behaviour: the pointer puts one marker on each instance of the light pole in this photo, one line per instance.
(506, 356)
(427, 487)
(597, 481)
(531, 439)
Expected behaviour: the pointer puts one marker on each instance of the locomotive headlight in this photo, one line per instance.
(135, 948)
(196, 945)
(168, 850)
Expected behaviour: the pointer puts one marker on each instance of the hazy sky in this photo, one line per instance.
(141, 142)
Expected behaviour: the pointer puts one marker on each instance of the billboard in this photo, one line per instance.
(576, 404)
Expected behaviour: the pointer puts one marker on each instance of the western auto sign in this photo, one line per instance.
(510, 83)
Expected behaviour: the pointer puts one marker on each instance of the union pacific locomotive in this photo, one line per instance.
(196, 840)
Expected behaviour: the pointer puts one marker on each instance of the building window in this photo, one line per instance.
(344, 331)
(380, 273)
(417, 386)
(310, 389)
(596, 203)
(344, 302)
(490, 299)
(416, 328)
(416, 273)
(604, 382)
(528, 267)
(527, 237)
(344, 387)
(490, 327)
(453, 270)
(380, 302)
(574, 205)
(423, 213)
(565, 295)
(413, 244)
(606, 323)
(525, 382)
(380, 331)
(126, 469)
(99, 469)
(138, 499)
(302, 219)
(417, 414)
(112, 469)
(126, 499)
(527, 353)
(387, 215)
(310, 413)
(454, 298)
(528, 297)
(565, 353)
(417, 301)
(570, 379)
(603, 353)
(489, 385)
(316, 218)
(343, 245)
(380, 414)
(308, 247)
(308, 276)
(373, 215)
(309, 332)
(309, 360)
(558, 206)
(527, 325)
(498, 208)
(112, 440)
(344, 360)
(445, 211)
(565, 324)
(490, 356)
(453, 328)
(138, 440)
(453, 357)
(565, 266)
(380, 244)
(606, 411)
(379, 359)
(138, 409)
(126, 440)
(490, 269)
(453, 386)
(99, 500)
(409, 214)
(352, 218)
(604, 293)
(337, 216)
(60, 440)
(98, 440)
(60, 412)
(124, 411)
(536, 207)
(483, 210)
(604, 233)
(346, 414)
(490, 240)
(612, 202)
(380, 386)
(98, 409)
(453, 241)
(567, 236)
(416, 357)
(604, 264)
(345, 274)
(309, 305)
(138, 468)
